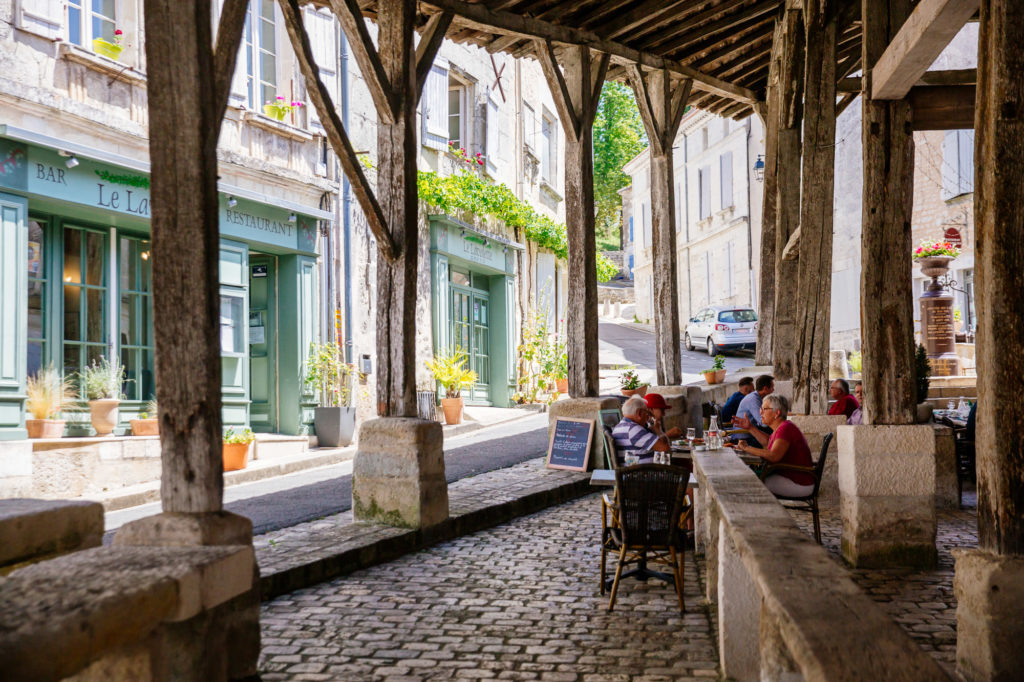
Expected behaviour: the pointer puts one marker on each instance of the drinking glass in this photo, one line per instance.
(950, 405)
(632, 459)
(691, 434)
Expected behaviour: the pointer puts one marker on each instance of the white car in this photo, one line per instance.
(720, 327)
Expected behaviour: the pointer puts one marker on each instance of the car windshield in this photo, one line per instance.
(745, 315)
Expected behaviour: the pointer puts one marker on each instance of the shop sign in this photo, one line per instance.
(952, 235)
(255, 222)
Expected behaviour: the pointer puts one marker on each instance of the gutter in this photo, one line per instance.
(346, 207)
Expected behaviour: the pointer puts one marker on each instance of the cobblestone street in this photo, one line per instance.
(518, 602)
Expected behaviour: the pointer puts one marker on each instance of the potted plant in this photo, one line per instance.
(561, 368)
(279, 108)
(449, 369)
(147, 423)
(631, 384)
(327, 375)
(716, 374)
(48, 393)
(101, 385)
(236, 448)
(110, 50)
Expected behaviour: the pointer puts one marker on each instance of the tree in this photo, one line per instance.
(618, 137)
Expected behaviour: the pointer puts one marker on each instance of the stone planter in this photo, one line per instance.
(934, 266)
(145, 427)
(642, 391)
(452, 408)
(106, 49)
(104, 415)
(45, 428)
(716, 376)
(236, 456)
(334, 426)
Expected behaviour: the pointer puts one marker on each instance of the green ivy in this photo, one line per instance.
(470, 192)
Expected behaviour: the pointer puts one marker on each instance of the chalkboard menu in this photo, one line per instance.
(570, 444)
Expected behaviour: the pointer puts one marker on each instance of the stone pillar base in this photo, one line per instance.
(398, 473)
(739, 613)
(887, 495)
(989, 592)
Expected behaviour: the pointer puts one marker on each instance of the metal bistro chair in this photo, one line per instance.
(805, 502)
(651, 509)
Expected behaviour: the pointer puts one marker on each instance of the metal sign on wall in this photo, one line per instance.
(952, 235)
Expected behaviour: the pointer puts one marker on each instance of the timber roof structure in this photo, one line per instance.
(724, 46)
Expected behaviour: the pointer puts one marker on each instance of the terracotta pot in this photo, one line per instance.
(714, 376)
(145, 427)
(452, 410)
(104, 415)
(235, 455)
(563, 385)
(642, 391)
(45, 428)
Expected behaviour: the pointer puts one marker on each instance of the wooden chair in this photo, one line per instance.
(805, 502)
(651, 509)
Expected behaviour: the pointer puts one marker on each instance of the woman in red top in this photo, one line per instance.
(786, 445)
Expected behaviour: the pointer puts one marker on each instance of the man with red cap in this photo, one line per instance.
(657, 405)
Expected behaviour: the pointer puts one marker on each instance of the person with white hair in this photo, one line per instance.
(632, 434)
(786, 445)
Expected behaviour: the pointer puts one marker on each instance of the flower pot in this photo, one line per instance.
(452, 410)
(562, 385)
(106, 49)
(45, 428)
(334, 426)
(642, 391)
(104, 415)
(145, 427)
(934, 266)
(275, 112)
(235, 456)
(715, 376)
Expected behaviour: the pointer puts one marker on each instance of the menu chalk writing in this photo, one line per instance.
(570, 444)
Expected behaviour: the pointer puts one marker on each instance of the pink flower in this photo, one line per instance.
(480, 161)
(118, 32)
(296, 104)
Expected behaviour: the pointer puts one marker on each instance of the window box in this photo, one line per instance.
(123, 72)
(277, 127)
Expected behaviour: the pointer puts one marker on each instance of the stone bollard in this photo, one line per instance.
(838, 368)
(618, 310)
(606, 308)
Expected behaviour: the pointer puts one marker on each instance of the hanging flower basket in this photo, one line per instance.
(106, 49)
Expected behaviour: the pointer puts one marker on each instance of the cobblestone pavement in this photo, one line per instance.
(922, 602)
(517, 602)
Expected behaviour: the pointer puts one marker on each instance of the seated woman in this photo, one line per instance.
(786, 445)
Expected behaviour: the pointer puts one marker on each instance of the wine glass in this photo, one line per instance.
(691, 434)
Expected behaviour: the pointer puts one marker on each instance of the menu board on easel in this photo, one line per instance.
(570, 444)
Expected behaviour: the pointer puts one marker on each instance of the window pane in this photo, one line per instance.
(72, 255)
(94, 354)
(36, 296)
(145, 267)
(35, 357)
(94, 258)
(71, 359)
(146, 383)
(267, 36)
(74, 23)
(268, 70)
(231, 330)
(460, 278)
(72, 309)
(455, 116)
(94, 315)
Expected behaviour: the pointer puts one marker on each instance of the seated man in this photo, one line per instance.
(844, 404)
(746, 387)
(857, 418)
(786, 445)
(658, 407)
(632, 435)
(748, 416)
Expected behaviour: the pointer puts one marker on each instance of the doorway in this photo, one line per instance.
(263, 374)
(470, 332)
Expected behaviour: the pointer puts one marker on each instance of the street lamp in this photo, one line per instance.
(759, 168)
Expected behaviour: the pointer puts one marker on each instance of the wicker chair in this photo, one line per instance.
(649, 512)
(804, 502)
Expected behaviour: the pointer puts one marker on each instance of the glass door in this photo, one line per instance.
(263, 342)
(470, 313)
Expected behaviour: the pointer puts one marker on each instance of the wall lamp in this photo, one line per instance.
(759, 168)
(232, 202)
(71, 162)
(291, 217)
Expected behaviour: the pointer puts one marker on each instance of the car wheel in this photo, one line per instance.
(712, 348)
(687, 342)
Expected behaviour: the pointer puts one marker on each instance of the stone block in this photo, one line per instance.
(946, 495)
(398, 473)
(989, 591)
(15, 459)
(37, 529)
(580, 408)
(739, 613)
(178, 529)
(887, 495)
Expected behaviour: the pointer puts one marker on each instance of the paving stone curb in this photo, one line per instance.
(337, 546)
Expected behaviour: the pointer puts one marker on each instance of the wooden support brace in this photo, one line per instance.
(336, 134)
(559, 89)
(430, 42)
(365, 54)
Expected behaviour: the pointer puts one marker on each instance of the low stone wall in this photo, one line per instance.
(33, 530)
(786, 610)
(623, 295)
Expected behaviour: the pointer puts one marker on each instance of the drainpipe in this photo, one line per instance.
(346, 207)
(750, 216)
(686, 219)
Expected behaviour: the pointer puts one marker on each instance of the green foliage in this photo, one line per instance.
(102, 380)
(47, 394)
(855, 362)
(449, 369)
(470, 192)
(630, 381)
(543, 360)
(618, 137)
(328, 375)
(922, 372)
(718, 364)
(243, 437)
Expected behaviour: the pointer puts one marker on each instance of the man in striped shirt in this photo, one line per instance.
(632, 434)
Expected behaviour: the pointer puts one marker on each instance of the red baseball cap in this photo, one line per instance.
(656, 402)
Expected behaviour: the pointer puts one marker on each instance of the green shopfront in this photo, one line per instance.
(473, 305)
(75, 285)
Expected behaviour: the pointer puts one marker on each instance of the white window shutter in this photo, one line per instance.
(42, 17)
(492, 134)
(965, 148)
(705, 192)
(434, 103)
(323, 37)
(950, 165)
(725, 197)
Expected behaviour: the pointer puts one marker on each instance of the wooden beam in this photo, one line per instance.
(336, 134)
(920, 40)
(640, 15)
(940, 107)
(734, 24)
(559, 89)
(430, 43)
(225, 52)
(527, 27)
(691, 24)
(502, 42)
(948, 77)
(844, 102)
(365, 54)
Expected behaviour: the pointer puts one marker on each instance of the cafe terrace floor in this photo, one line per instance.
(520, 602)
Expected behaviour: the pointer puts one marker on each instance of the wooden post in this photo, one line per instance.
(662, 102)
(184, 124)
(787, 194)
(887, 313)
(576, 95)
(813, 292)
(999, 195)
(769, 114)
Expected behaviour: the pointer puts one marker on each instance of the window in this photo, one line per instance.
(630, 228)
(90, 19)
(85, 295)
(457, 114)
(37, 296)
(136, 317)
(957, 163)
(548, 149)
(704, 138)
(323, 39)
(739, 316)
(642, 213)
(725, 172)
(492, 134)
(259, 46)
(704, 187)
(529, 128)
(434, 106)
